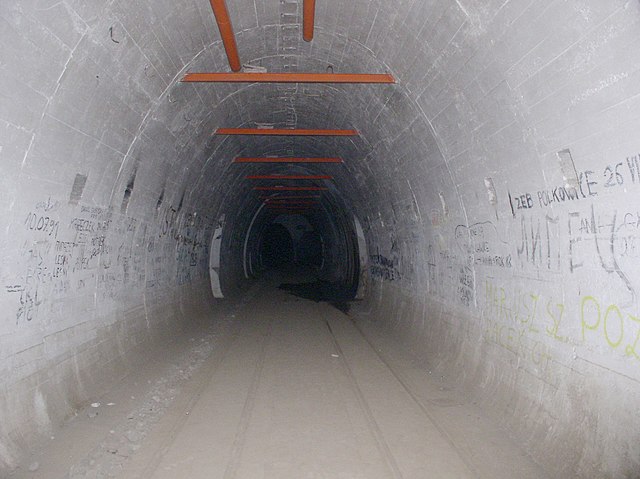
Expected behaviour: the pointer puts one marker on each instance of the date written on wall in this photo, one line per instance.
(590, 184)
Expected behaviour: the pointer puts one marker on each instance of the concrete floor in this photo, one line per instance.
(282, 388)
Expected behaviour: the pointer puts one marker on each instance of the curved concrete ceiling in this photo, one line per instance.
(463, 176)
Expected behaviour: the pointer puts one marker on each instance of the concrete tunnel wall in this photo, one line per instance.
(497, 184)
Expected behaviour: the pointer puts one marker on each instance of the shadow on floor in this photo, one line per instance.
(332, 293)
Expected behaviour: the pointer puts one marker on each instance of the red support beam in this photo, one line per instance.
(290, 213)
(289, 177)
(284, 132)
(291, 206)
(299, 208)
(291, 202)
(274, 197)
(226, 33)
(290, 188)
(295, 204)
(293, 210)
(221, 77)
(287, 160)
(308, 19)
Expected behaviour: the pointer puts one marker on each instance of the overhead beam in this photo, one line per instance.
(290, 207)
(275, 210)
(226, 33)
(296, 206)
(284, 132)
(276, 197)
(290, 188)
(290, 213)
(267, 159)
(246, 77)
(289, 177)
(291, 203)
(308, 19)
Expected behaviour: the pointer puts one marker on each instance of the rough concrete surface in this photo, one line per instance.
(286, 388)
(486, 214)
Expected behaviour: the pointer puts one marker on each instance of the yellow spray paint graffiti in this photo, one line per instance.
(614, 326)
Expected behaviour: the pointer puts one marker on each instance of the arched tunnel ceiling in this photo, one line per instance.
(492, 97)
(442, 110)
(446, 106)
(288, 106)
(101, 97)
(476, 98)
(175, 134)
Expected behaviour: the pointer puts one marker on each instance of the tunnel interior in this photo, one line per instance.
(276, 246)
(484, 214)
(309, 238)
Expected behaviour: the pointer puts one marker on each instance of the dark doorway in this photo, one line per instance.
(309, 251)
(276, 247)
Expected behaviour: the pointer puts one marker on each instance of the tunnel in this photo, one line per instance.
(320, 239)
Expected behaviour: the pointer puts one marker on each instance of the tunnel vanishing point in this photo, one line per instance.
(466, 173)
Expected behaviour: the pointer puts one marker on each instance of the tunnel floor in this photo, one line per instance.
(284, 387)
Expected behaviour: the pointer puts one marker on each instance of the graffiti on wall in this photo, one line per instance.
(590, 184)
(64, 251)
(572, 249)
(383, 268)
(525, 322)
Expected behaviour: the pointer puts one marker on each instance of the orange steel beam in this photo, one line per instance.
(290, 198)
(308, 14)
(290, 188)
(288, 207)
(289, 177)
(284, 132)
(226, 32)
(290, 213)
(283, 211)
(293, 204)
(287, 160)
(291, 207)
(272, 198)
(243, 77)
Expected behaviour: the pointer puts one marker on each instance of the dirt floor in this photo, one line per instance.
(281, 387)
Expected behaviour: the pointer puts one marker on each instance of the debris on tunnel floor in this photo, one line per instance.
(321, 291)
(118, 433)
(210, 413)
(107, 459)
(466, 174)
